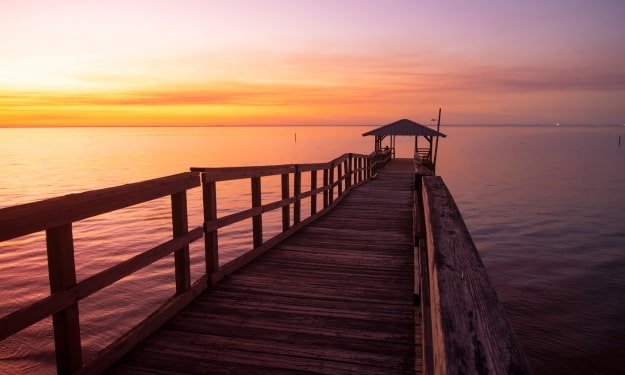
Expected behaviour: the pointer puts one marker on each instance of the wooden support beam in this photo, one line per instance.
(313, 197)
(62, 273)
(211, 243)
(297, 190)
(257, 220)
(180, 226)
(326, 193)
(286, 211)
(331, 183)
(339, 178)
(350, 175)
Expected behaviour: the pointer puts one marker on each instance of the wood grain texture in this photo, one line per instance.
(257, 220)
(50, 213)
(180, 227)
(470, 331)
(336, 297)
(62, 273)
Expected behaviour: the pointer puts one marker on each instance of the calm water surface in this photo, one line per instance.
(544, 205)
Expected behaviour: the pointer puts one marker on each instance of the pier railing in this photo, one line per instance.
(339, 177)
(465, 328)
(378, 160)
(56, 216)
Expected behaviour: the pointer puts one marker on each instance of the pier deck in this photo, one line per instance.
(336, 297)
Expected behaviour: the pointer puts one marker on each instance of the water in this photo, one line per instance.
(544, 206)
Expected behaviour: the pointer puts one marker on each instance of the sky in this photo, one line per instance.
(301, 62)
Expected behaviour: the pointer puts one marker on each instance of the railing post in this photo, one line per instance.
(180, 226)
(368, 167)
(349, 172)
(359, 169)
(297, 190)
(339, 179)
(257, 220)
(211, 245)
(331, 184)
(286, 220)
(326, 192)
(313, 196)
(62, 274)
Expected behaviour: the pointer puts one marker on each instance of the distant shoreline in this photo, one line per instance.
(296, 126)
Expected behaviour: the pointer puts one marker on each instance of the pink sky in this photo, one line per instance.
(310, 62)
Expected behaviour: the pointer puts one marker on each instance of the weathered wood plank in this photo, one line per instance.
(180, 224)
(236, 173)
(470, 331)
(62, 273)
(257, 219)
(34, 217)
(211, 242)
(313, 189)
(286, 212)
(297, 190)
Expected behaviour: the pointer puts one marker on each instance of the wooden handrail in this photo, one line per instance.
(56, 216)
(465, 323)
(34, 217)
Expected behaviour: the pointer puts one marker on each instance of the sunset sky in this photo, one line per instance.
(247, 62)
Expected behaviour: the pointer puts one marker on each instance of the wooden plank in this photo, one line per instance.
(470, 331)
(28, 218)
(257, 220)
(313, 189)
(211, 243)
(313, 167)
(62, 272)
(286, 212)
(339, 179)
(180, 227)
(326, 184)
(349, 172)
(331, 184)
(297, 190)
(236, 173)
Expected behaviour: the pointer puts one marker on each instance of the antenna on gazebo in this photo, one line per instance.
(438, 129)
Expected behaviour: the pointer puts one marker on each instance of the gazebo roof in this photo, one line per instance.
(405, 127)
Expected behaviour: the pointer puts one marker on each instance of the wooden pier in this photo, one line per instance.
(379, 277)
(337, 298)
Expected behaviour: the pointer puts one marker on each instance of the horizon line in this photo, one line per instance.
(292, 125)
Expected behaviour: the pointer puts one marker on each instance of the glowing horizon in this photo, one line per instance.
(138, 63)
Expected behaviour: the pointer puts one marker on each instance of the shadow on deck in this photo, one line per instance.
(336, 297)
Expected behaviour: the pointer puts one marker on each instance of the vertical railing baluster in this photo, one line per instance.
(211, 244)
(62, 274)
(313, 196)
(180, 226)
(331, 184)
(339, 179)
(359, 169)
(297, 190)
(257, 220)
(286, 220)
(349, 172)
(326, 191)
